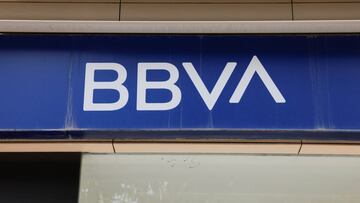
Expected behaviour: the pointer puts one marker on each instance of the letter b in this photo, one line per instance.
(143, 84)
(91, 85)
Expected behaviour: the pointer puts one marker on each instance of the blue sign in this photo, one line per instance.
(179, 82)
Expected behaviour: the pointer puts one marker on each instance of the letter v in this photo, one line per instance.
(210, 98)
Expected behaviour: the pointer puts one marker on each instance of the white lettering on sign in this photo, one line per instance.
(255, 66)
(209, 97)
(143, 85)
(91, 85)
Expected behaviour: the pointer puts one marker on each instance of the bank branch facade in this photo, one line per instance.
(191, 115)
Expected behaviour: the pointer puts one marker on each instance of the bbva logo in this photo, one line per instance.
(209, 97)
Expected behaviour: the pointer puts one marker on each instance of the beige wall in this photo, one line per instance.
(179, 9)
(293, 148)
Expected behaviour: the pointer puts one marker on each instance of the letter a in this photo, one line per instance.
(255, 66)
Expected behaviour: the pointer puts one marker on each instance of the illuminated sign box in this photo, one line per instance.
(198, 82)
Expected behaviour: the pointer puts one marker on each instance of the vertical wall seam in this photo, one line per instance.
(119, 10)
(301, 144)
(292, 9)
(113, 145)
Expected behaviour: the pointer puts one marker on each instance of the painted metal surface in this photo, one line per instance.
(42, 81)
(214, 178)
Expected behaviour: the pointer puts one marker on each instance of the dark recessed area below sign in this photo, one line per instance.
(39, 177)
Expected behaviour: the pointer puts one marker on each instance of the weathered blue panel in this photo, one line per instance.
(42, 81)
